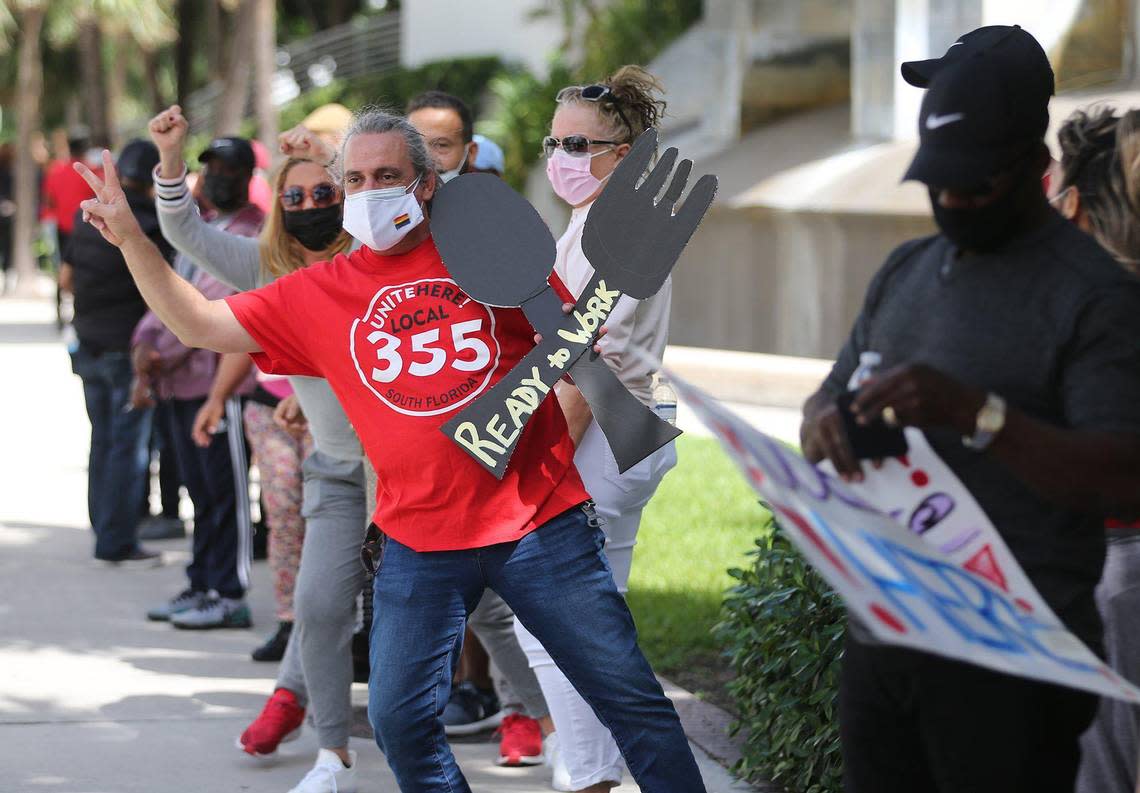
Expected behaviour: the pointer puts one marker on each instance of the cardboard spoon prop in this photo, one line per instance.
(500, 252)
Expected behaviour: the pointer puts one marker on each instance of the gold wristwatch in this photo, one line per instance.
(991, 418)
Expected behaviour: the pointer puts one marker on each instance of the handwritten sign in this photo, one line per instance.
(489, 428)
(890, 570)
(922, 494)
(496, 247)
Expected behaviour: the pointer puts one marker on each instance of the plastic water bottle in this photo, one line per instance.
(869, 362)
(665, 399)
(70, 339)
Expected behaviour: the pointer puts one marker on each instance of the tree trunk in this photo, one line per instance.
(117, 83)
(153, 89)
(264, 67)
(341, 11)
(183, 53)
(218, 34)
(231, 105)
(30, 79)
(94, 87)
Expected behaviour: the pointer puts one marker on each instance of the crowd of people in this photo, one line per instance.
(218, 317)
(342, 179)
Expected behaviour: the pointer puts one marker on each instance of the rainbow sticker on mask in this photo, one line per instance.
(402, 221)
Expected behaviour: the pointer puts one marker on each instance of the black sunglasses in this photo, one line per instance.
(323, 195)
(574, 145)
(602, 93)
(372, 551)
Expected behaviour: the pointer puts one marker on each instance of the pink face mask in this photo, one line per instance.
(571, 178)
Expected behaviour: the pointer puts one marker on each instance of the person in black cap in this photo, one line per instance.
(107, 308)
(1009, 338)
(227, 167)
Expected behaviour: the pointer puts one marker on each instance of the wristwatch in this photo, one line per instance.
(991, 418)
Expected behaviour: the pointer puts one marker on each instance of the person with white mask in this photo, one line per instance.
(513, 699)
(592, 130)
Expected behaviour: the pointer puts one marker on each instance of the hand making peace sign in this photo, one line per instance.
(108, 211)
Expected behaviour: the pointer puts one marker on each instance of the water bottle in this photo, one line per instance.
(70, 339)
(869, 362)
(665, 399)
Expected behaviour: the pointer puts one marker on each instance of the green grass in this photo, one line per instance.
(702, 521)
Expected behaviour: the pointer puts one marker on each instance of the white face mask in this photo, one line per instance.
(381, 218)
(447, 176)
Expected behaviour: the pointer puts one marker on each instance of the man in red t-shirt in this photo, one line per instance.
(403, 347)
(64, 189)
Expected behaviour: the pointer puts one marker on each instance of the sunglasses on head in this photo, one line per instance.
(323, 195)
(574, 145)
(602, 93)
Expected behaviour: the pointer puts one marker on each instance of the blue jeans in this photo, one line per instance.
(120, 451)
(559, 584)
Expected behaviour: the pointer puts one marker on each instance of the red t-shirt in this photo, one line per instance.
(64, 191)
(404, 348)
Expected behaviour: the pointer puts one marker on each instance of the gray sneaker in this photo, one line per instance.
(214, 613)
(183, 601)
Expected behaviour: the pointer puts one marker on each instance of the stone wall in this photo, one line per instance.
(789, 283)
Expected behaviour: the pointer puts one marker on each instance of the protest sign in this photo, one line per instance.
(511, 269)
(922, 494)
(907, 591)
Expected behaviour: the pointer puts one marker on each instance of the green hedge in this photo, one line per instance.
(523, 106)
(783, 633)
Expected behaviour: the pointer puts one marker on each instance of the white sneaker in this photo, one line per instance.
(552, 756)
(329, 775)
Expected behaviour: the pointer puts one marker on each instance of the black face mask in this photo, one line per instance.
(315, 228)
(226, 192)
(986, 228)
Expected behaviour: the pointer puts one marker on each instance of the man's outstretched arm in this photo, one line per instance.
(197, 321)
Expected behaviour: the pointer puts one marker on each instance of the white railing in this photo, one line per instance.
(365, 46)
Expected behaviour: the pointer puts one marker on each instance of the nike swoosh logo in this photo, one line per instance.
(934, 121)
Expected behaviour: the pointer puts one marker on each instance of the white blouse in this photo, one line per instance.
(643, 323)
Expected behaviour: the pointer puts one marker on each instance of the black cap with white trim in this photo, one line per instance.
(1016, 50)
(978, 116)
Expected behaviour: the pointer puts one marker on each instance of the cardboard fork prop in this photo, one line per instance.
(500, 252)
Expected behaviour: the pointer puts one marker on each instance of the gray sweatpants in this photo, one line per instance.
(1110, 746)
(317, 666)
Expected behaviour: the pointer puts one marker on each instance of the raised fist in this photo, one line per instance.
(304, 144)
(168, 130)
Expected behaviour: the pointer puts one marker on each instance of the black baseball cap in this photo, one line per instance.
(230, 150)
(137, 160)
(1010, 45)
(978, 117)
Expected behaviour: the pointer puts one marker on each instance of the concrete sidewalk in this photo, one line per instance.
(93, 698)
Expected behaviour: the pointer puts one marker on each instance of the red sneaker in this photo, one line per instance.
(520, 742)
(279, 721)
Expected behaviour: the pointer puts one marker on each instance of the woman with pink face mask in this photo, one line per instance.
(592, 130)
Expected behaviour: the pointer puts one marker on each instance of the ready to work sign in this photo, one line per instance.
(956, 592)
